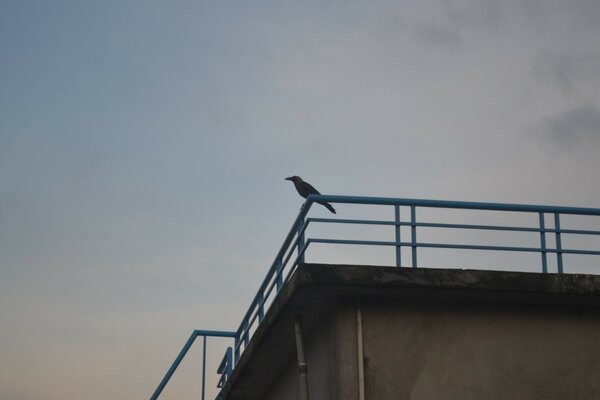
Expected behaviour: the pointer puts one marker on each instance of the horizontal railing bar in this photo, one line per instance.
(507, 248)
(454, 226)
(575, 251)
(478, 227)
(352, 221)
(454, 204)
(453, 246)
(482, 247)
(358, 242)
(574, 231)
(214, 333)
(422, 244)
(431, 225)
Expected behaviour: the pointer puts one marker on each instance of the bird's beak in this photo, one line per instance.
(288, 179)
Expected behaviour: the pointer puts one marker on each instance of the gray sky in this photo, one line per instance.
(143, 146)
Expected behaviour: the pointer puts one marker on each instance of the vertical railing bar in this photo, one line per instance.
(559, 255)
(300, 241)
(246, 334)
(229, 364)
(237, 347)
(278, 277)
(398, 247)
(413, 234)
(203, 365)
(225, 368)
(261, 309)
(543, 243)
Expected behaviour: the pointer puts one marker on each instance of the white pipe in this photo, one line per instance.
(360, 353)
(302, 368)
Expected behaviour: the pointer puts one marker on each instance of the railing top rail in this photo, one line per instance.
(203, 332)
(454, 204)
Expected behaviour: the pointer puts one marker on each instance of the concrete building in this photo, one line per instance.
(383, 333)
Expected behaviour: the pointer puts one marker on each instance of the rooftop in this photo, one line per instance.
(315, 288)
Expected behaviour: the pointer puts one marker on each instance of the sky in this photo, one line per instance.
(143, 147)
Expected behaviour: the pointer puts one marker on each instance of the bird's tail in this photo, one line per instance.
(328, 206)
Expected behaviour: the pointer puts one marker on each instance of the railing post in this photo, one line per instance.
(203, 365)
(398, 248)
(261, 308)
(237, 347)
(229, 364)
(559, 253)
(413, 234)
(225, 368)
(278, 273)
(543, 243)
(301, 241)
(246, 335)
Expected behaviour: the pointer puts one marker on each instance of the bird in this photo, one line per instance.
(305, 188)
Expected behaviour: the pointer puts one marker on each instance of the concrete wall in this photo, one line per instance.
(440, 351)
(448, 351)
(320, 341)
(428, 334)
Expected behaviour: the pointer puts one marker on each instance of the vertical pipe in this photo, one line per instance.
(398, 249)
(203, 365)
(302, 367)
(413, 234)
(360, 352)
(559, 253)
(543, 243)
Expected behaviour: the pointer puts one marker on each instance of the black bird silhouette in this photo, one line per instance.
(305, 188)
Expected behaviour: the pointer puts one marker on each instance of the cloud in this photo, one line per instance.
(566, 70)
(574, 126)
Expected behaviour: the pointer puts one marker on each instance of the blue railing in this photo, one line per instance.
(225, 368)
(295, 246)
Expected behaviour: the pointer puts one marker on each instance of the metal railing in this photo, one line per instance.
(295, 245)
(224, 369)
